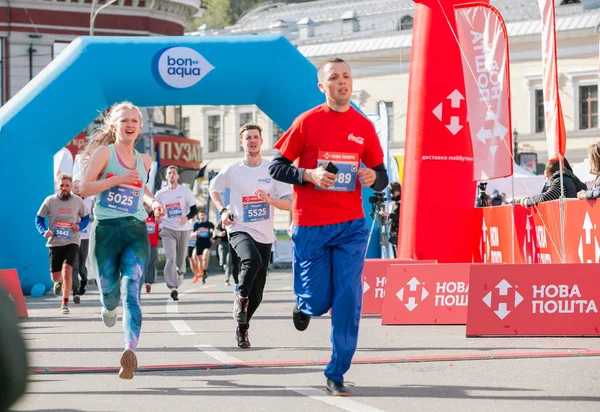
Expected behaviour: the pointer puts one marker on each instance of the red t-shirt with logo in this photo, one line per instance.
(320, 135)
(152, 228)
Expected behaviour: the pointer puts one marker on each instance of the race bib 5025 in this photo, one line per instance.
(123, 198)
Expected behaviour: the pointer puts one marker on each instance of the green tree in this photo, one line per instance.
(223, 13)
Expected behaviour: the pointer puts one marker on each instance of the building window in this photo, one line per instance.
(245, 117)
(214, 132)
(588, 107)
(390, 114)
(58, 47)
(406, 23)
(540, 120)
(276, 133)
(178, 118)
(185, 126)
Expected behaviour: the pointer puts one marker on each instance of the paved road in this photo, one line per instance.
(189, 361)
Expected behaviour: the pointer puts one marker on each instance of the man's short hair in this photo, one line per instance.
(250, 126)
(64, 176)
(172, 167)
(395, 187)
(326, 62)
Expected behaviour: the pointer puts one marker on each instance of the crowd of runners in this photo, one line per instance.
(104, 223)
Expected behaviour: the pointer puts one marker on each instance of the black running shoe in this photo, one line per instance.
(337, 388)
(175, 295)
(76, 299)
(82, 287)
(204, 276)
(242, 338)
(240, 309)
(301, 320)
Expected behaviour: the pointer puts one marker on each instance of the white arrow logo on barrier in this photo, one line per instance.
(412, 301)
(503, 288)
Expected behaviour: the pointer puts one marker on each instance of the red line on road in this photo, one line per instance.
(292, 363)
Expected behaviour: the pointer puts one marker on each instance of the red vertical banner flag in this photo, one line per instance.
(556, 136)
(484, 48)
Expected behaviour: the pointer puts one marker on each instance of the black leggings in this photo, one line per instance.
(254, 258)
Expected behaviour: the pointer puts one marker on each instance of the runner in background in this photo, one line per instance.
(152, 228)
(175, 228)
(203, 233)
(80, 268)
(66, 217)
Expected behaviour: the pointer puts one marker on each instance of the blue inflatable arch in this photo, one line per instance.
(95, 72)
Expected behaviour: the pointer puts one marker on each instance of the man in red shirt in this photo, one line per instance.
(329, 142)
(152, 229)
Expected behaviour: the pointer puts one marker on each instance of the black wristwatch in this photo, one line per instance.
(222, 210)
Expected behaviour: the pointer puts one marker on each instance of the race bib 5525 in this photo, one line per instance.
(255, 209)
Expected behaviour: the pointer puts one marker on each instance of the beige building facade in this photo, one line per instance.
(376, 42)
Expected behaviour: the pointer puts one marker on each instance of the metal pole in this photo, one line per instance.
(512, 220)
(93, 14)
(562, 213)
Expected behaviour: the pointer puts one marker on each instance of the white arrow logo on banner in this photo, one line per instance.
(365, 287)
(454, 125)
(438, 111)
(455, 97)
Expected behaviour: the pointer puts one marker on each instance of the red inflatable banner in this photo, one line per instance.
(485, 63)
(556, 137)
(438, 142)
(534, 300)
(427, 294)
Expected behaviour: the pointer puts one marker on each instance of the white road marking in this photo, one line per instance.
(217, 354)
(182, 328)
(342, 403)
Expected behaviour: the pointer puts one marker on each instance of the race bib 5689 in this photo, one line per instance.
(347, 164)
(123, 198)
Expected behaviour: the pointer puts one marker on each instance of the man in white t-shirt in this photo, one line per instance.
(176, 226)
(249, 221)
(79, 268)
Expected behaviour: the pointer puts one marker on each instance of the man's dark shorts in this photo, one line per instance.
(62, 254)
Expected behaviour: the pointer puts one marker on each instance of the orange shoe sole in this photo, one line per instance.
(128, 364)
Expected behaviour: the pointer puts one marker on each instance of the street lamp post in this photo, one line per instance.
(93, 13)
(516, 145)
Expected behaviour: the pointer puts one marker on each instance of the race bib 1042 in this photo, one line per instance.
(255, 209)
(347, 164)
(124, 198)
(174, 210)
(63, 230)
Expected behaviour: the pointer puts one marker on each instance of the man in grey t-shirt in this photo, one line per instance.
(63, 211)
